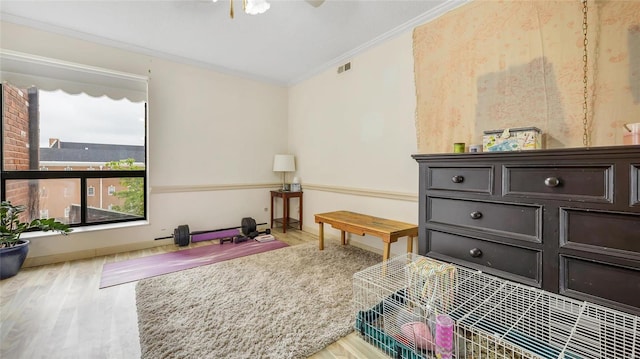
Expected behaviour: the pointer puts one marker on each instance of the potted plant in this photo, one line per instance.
(13, 250)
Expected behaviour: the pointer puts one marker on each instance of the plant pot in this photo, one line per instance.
(12, 258)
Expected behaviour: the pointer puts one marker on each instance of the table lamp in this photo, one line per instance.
(284, 164)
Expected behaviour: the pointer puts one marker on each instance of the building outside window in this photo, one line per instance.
(71, 144)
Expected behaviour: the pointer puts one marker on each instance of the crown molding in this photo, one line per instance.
(38, 25)
(398, 30)
(419, 20)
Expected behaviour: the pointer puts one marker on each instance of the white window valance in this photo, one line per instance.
(26, 70)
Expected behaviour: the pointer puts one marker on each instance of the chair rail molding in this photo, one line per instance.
(400, 196)
(212, 187)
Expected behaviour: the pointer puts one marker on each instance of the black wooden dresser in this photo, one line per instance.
(566, 221)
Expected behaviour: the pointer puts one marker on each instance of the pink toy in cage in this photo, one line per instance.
(444, 337)
(418, 333)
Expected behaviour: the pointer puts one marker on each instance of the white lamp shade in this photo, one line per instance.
(284, 163)
(255, 7)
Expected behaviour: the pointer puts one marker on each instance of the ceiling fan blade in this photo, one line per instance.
(315, 3)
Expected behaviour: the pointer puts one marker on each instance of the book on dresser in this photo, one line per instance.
(566, 220)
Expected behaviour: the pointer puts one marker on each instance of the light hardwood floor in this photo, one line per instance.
(57, 311)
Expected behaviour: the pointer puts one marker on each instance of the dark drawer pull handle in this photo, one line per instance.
(457, 179)
(476, 215)
(475, 252)
(552, 182)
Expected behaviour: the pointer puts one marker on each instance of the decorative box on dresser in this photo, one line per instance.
(566, 220)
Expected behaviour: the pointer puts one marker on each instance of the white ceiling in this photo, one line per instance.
(289, 43)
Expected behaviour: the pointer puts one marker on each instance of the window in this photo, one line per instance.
(78, 131)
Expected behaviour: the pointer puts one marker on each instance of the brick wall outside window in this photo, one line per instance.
(16, 144)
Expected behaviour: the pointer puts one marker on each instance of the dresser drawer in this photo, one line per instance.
(520, 264)
(511, 220)
(602, 283)
(588, 183)
(464, 179)
(601, 231)
(635, 185)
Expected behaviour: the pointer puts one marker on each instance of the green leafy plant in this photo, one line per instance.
(133, 192)
(12, 227)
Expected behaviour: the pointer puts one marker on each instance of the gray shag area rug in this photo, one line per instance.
(285, 303)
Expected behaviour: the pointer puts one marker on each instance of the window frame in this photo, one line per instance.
(82, 175)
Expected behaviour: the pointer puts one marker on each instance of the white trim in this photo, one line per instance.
(55, 63)
(32, 261)
(400, 196)
(82, 164)
(19, 20)
(25, 70)
(421, 19)
(212, 187)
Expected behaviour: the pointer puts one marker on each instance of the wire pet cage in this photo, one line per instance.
(399, 306)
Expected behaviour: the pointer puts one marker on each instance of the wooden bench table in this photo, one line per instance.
(388, 230)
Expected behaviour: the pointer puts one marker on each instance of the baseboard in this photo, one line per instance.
(97, 252)
(92, 253)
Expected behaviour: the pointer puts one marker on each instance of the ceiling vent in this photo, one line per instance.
(345, 67)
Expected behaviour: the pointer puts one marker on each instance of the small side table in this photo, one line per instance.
(286, 221)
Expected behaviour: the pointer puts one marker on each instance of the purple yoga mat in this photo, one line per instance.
(146, 267)
(225, 233)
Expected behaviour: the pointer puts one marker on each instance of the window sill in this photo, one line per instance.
(88, 229)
